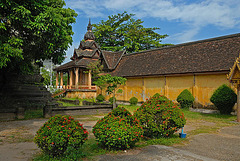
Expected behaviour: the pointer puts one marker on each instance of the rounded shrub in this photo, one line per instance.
(118, 130)
(160, 117)
(100, 98)
(111, 99)
(224, 99)
(60, 133)
(185, 99)
(133, 101)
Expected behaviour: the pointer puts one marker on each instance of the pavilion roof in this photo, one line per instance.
(82, 63)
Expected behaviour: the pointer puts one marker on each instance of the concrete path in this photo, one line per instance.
(222, 146)
(156, 153)
(16, 145)
(204, 147)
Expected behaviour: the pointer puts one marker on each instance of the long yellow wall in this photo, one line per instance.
(201, 86)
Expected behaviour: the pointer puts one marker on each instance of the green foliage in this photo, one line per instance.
(123, 32)
(133, 101)
(100, 98)
(34, 30)
(118, 130)
(224, 99)
(156, 95)
(186, 99)
(160, 117)
(100, 82)
(96, 68)
(60, 133)
(46, 76)
(112, 83)
(111, 99)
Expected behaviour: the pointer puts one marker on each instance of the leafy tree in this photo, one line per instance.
(100, 82)
(96, 68)
(123, 32)
(33, 30)
(46, 76)
(113, 82)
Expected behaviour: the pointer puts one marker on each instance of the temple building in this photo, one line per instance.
(199, 66)
(79, 83)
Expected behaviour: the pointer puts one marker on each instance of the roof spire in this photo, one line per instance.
(89, 35)
(89, 27)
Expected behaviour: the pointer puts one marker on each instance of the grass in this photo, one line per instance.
(89, 117)
(130, 108)
(175, 139)
(88, 151)
(80, 99)
(72, 99)
(66, 103)
(207, 123)
(30, 114)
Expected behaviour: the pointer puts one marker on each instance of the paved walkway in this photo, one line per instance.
(221, 146)
(203, 147)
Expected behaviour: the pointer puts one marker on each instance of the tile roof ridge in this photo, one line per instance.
(186, 44)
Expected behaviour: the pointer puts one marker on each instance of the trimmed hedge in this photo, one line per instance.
(160, 117)
(185, 99)
(224, 98)
(133, 101)
(118, 130)
(100, 98)
(60, 133)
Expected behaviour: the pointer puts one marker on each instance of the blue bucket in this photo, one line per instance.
(182, 135)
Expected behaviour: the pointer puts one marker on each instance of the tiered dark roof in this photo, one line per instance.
(211, 55)
(87, 52)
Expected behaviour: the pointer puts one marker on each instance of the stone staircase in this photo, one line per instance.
(21, 91)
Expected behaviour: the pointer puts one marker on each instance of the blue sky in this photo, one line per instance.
(182, 20)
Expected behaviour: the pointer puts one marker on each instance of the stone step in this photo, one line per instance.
(31, 94)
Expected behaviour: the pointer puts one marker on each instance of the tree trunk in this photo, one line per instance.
(114, 101)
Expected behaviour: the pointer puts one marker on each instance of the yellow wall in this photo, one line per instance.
(201, 86)
(175, 85)
(206, 85)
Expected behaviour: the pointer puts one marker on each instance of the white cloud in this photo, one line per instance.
(220, 13)
(87, 8)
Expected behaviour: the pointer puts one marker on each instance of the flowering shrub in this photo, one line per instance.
(160, 117)
(118, 130)
(133, 101)
(60, 133)
(156, 95)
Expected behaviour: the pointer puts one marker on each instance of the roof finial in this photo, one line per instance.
(89, 27)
